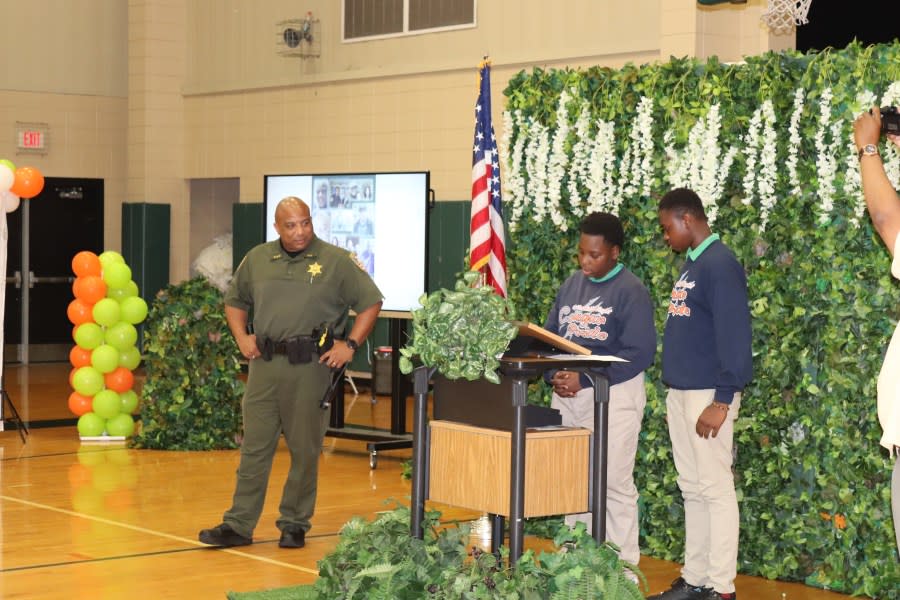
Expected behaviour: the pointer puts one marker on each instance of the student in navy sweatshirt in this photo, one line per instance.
(706, 363)
(605, 308)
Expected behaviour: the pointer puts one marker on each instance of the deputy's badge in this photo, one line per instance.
(314, 270)
(356, 260)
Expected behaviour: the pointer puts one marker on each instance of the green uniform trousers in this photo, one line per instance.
(280, 398)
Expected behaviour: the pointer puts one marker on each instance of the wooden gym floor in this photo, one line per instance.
(105, 522)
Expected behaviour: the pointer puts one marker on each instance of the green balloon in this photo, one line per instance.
(134, 310)
(121, 336)
(109, 257)
(130, 358)
(122, 424)
(107, 312)
(129, 401)
(88, 335)
(105, 358)
(87, 381)
(91, 425)
(107, 404)
(117, 275)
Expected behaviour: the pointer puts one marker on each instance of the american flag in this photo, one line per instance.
(487, 252)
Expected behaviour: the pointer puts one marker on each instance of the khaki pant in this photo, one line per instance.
(280, 398)
(626, 410)
(707, 486)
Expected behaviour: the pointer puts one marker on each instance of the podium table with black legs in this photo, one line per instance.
(520, 370)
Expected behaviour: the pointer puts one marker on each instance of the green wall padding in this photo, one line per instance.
(145, 245)
(247, 227)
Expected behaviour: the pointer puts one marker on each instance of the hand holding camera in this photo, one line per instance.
(890, 120)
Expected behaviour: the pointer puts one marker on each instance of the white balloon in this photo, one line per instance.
(9, 200)
(7, 177)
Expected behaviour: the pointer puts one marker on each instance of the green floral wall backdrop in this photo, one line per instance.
(768, 146)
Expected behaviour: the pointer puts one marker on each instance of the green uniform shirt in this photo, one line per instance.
(291, 296)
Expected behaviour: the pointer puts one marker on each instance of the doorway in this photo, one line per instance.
(44, 234)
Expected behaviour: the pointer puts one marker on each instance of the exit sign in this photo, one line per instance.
(32, 138)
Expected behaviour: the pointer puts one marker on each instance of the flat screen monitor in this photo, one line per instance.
(382, 217)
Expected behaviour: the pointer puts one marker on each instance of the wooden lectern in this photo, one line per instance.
(519, 369)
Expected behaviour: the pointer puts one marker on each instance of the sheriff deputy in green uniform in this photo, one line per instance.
(298, 287)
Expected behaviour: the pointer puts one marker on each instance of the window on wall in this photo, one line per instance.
(367, 19)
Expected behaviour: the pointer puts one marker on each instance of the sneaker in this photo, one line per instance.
(292, 537)
(223, 536)
(712, 594)
(682, 590)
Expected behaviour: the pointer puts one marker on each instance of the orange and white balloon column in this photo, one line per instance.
(105, 311)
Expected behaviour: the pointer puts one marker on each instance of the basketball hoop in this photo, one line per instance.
(783, 16)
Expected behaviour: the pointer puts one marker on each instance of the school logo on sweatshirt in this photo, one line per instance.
(678, 304)
(585, 321)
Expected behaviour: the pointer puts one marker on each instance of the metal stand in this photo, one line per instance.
(377, 440)
(15, 419)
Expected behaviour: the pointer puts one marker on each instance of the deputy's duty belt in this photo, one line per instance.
(299, 349)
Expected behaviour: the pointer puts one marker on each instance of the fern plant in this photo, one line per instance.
(379, 559)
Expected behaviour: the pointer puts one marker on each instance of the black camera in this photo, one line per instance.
(890, 120)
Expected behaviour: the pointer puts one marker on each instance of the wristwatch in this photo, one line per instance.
(351, 343)
(868, 150)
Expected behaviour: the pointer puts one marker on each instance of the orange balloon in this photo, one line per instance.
(79, 312)
(80, 404)
(119, 380)
(91, 289)
(79, 357)
(28, 182)
(86, 263)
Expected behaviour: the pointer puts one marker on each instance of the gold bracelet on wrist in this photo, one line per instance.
(720, 405)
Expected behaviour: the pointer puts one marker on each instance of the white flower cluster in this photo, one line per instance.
(794, 140)
(579, 171)
(828, 140)
(601, 177)
(636, 171)
(536, 167)
(514, 182)
(557, 162)
(698, 165)
(852, 179)
(761, 147)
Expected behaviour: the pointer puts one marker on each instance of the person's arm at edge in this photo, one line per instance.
(882, 200)
(237, 323)
(363, 324)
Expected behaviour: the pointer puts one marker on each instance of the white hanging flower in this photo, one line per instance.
(751, 150)
(514, 184)
(701, 165)
(794, 141)
(636, 170)
(580, 164)
(558, 161)
(536, 168)
(768, 175)
(601, 180)
(827, 141)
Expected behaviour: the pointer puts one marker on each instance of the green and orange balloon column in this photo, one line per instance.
(105, 311)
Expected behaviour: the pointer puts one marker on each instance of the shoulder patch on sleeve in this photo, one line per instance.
(356, 261)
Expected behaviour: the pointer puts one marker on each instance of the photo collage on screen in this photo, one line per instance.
(344, 214)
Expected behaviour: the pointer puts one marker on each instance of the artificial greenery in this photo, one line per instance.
(460, 332)
(192, 395)
(812, 480)
(379, 559)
